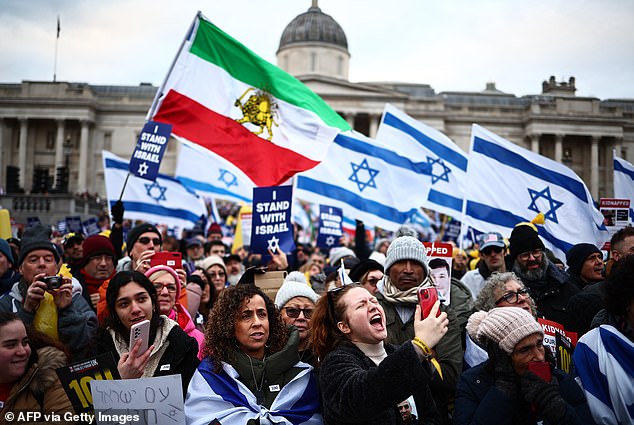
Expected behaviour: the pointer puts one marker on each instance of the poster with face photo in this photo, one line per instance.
(439, 257)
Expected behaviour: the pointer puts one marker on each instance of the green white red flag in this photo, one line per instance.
(222, 96)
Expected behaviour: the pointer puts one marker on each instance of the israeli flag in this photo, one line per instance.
(507, 184)
(420, 142)
(624, 181)
(368, 180)
(163, 201)
(211, 176)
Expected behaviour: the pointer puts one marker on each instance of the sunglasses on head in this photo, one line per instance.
(145, 240)
(293, 312)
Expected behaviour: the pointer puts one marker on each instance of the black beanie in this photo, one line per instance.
(577, 255)
(37, 237)
(137, 231)
(523, 239)
(362, 268)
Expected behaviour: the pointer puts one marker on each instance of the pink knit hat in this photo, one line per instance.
(169, 270)
(506, 326)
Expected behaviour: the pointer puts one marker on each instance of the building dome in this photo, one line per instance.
(314, 26)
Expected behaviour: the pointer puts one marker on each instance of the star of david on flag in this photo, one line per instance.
(507, 184)
(363, 175)
(228, 178)
(164, 201)
(443, 190)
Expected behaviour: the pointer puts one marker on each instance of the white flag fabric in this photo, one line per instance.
(624, 181)
(420, 142)
(368, 180)
(507, 184)
(164, 201)
(209, 175)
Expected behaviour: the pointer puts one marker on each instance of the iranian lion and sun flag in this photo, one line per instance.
(222, 96)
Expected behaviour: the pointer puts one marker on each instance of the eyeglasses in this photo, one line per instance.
(145, 240)
(293, 312)
(331, 301)
(526, 350)
(488, 250)
(512, 297)
(171, 288)
(216, 275)
(536, 253)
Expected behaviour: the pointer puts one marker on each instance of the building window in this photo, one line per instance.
(107, 140)
(340, 66)
(50, 140)
(313, 61)
(567, 156)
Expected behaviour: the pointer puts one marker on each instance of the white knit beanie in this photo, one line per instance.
(337, 253)
(294, 285)
(405, 248)
(506, 326)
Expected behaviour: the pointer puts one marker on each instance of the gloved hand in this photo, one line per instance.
(506, 380)
(117, 211)
(545, 396)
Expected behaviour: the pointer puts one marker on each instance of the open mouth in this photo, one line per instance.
(376, 321)
(257, 335)
(137, 319)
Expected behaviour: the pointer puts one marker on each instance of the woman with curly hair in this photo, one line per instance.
(252, 373)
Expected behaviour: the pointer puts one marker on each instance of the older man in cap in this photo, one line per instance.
(76, 324)
(406, 271)
(547, 285)
(97, 267)
(492, 253)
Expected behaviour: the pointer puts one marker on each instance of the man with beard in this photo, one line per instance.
(235, 268)
(405, 271)
(547, 284)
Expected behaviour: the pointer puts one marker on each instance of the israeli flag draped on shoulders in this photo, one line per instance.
(624, 182)
(210, 175)
(164, 201)
(444, 191)
(507, 184)
(368, 180)
(222, 397)
(604, 363)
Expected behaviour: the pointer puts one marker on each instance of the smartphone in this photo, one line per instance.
(427, 297)
(541, 369)
(141, 331)
(167, 258)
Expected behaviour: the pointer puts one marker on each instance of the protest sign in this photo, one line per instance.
(73, 224)
(616, 215)
(330, 228)
(439, 257)
(271, 227)
(148, 153)
(147, 401)
(551, 329)
(91, 226)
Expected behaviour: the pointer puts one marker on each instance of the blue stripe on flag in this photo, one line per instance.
(304, 408)
(356, 201)
(617, 349)
(143, 207)
(222, 384)
(386, 155)
(442, 151)
(506, 157)
(444, 200)
(620, 168)
(593, 380)
(207, 187)
(505, 218)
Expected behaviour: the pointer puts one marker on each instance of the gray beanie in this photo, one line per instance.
(337, 253)
(294, 286)
(405, 248)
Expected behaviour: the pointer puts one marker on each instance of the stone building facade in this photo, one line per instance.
(48, 126)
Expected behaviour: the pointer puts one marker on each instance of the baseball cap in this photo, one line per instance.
(491, 239)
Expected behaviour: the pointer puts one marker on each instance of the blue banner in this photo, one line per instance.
(271, 227)
(73, 224)
(33, 221)
(330, 227)
(148, 153)
(452, 231)
(91, 227)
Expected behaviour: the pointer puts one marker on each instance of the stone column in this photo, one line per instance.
(535, 143)
(594, 167)
(374, 124)
(59, 144)
(83, 159)
(2, 154)
(350, 120)
(559, 147)
(618, 147)
(22, 151)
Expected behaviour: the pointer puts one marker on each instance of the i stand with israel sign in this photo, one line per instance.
(148, 153)
(330, 229)
(271, 226)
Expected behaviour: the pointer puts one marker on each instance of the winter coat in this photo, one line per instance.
(40, 390)
(180, 354)
(76, 324)
(583, 306)
(355, 390)
(184, 320)
(478, 401)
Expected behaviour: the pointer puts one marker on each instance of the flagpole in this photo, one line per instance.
(125, 183)
(159, 92)
(56, 43)
(464, 199)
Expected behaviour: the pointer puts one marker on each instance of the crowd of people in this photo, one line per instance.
(323, 350)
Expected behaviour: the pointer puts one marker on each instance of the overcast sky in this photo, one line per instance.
(453, 45)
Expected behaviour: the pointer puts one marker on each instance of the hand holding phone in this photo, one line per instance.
(140, 331)
(427, 297)
(171, 259)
